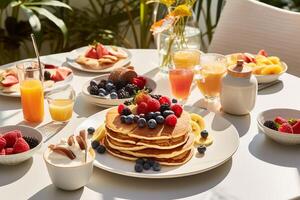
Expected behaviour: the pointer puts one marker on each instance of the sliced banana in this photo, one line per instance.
(195, 129)
(199, 120)
(99, 133)
(204, 141)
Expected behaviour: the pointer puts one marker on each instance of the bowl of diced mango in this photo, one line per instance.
(265, 68)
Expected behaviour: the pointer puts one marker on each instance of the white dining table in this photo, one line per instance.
(260, 169)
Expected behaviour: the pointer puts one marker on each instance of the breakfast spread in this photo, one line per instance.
(9, 81)
(71, 151)
(261, 63)
(13, 142)
(97, 56)
(122, 83)
(284, 126)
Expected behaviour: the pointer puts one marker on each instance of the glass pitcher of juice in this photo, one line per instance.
(32, 91)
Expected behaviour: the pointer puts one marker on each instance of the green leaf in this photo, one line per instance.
(34, 21)
(58, 22)
(48, 3)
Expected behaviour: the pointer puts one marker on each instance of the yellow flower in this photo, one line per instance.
(181, 11)
(167, 2)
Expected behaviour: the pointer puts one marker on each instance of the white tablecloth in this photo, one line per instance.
(260, 169)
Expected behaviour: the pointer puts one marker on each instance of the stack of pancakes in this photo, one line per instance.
(165, 144)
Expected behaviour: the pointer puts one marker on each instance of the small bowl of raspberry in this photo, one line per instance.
(18, 143)
(281, 125)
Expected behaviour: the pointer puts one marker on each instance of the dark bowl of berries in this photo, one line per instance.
(103, 90)
(282, 125)
(18, 143)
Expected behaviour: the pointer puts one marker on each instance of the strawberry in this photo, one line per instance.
(248, 58)
(153, 105)
(280, 120)
(263, 53)
(296, 128)
(61, 74)
(2, 143)
(20, 146)
(139, 83)
(285, 128)
(9, 151)
(121, 108)
(142, 108)
(2, 152)
(141, 97)
(142, 79)
(177, 109)
(49, 66)
(171, 120)
(292, 121)
(91, 53)
(9, 81)
(164, 100)
(11, 137)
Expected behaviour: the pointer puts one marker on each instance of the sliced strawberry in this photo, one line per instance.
(296, 128)
(263, 53)
(91, 53)
(280, 120)
(285, 128)
(61, 74)
(101, 50)
(49, 66)
(9, 81)
(250, 57)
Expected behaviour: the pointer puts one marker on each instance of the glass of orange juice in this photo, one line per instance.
(32, 91)
(61, 103)
(186, 58)
(209, 74)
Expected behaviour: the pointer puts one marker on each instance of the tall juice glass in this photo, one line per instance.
(32, 91)
(186, 58)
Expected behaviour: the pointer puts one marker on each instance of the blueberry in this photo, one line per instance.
(129, 119)
(150, 115)
(123, 117)
(150, 161)
(90, 130)
(47, 75)
(152, 124)
(95, 144)
(126, 111)
(160, 119)
(141, 122)
(157, 113)
(146, 166)
(113, 95)
(174, 101)
(94, 90)
(140, 161)
(204, 133)
(201, 149)
(136, 118)
(101, 90)
(93, 83)
(164, 107)
(166, 113)
(142, 116)
(101, 149)
(102, 84)
(110, 86)
(156, 166)
(101, 94)
(138, 168)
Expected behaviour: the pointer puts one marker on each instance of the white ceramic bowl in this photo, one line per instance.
(272, 77)
(20, 157)
(283, 138)
(70, 178)
(106, 101)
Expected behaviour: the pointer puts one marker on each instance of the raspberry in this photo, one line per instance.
(139, 83)
(141, 97)
(280, 120)
(2, 152)
(2, 143)
(11, 137)
(9, 151)
(142, 108)
(142, 79)
(296, 128)
(153, 105)
(164, 100)
(285, 128)
(177, 109)
(20, 146)
(171, 120)
(121, 108)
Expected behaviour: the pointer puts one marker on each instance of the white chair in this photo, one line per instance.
(249, 25)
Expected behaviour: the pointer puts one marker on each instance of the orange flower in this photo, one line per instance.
(163, 24)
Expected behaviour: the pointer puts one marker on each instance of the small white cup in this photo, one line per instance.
(70, 178)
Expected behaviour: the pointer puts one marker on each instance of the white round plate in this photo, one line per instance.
(56, 85)
(97, 100)
(76, 52)
(20, 157)
(226, 142)
(283, 138)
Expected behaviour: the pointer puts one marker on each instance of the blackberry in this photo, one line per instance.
(102, 84)
(271, 124)
(155, 96)
(131, 89)
(120, 85)
(47, 76)
(31, 141)
(94, 90)
(164, 107)
(122, 94)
